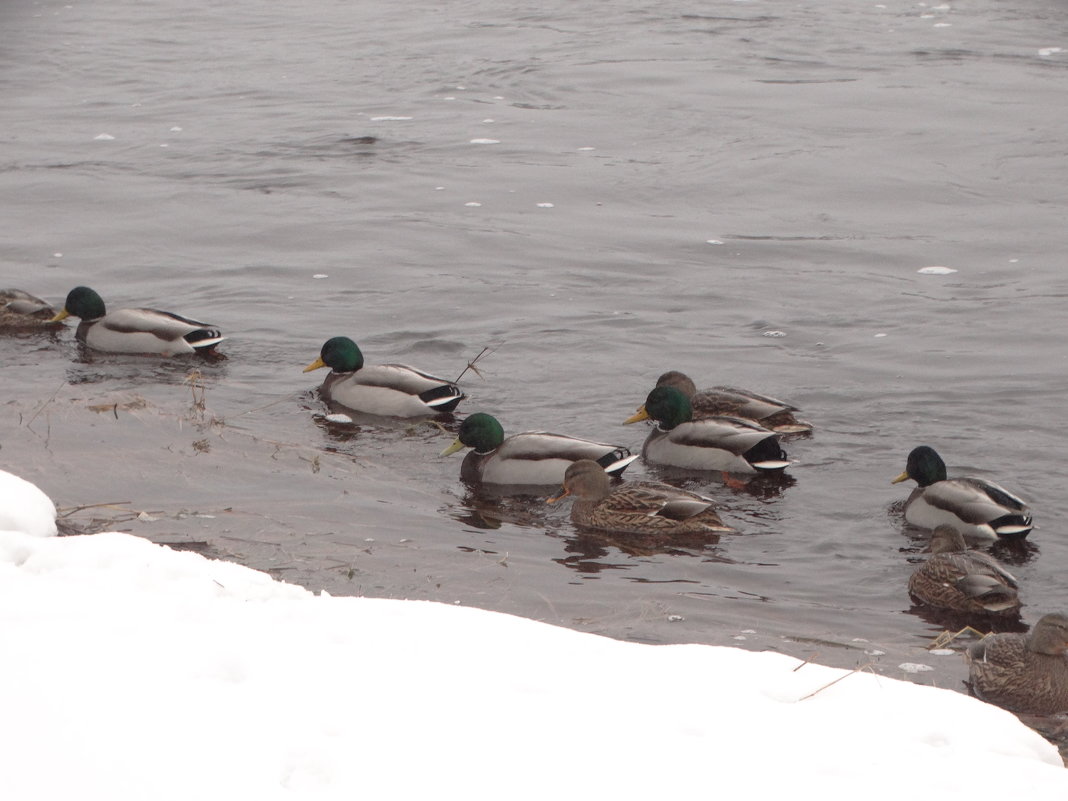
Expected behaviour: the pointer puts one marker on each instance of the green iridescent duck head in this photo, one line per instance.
(340, 354)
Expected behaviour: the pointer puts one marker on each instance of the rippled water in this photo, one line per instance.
(745, 191)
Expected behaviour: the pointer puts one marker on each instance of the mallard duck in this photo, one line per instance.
(642, 507)
(135, 330)
(771, 413)
(979, 509)
(393, 390)
(532, 457)
(20, 311)
(23, 507)
(960, 580)
(1023, 673)
(715, 443)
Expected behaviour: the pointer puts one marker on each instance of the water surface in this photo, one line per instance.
(744, 191)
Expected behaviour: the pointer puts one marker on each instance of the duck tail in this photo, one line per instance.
(1012, 526)
(444, 398)
(767, 456)
(204, 338)
(615, 462)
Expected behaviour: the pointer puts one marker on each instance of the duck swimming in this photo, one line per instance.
(21, 311)
(643, 507)
(961, 580)
(771, 413)
(148, 331)
(979, 509)
(729, 444)
(393, 390)
(1023, 673)
(531, 457)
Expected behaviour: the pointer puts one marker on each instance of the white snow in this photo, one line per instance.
(132, 671)
(23, 507)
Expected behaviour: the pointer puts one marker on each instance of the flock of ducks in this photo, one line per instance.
(722, 429)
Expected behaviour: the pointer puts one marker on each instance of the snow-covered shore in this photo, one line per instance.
(133, 671)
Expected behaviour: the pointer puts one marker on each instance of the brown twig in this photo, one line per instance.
(486, 351)
(287, 396)
(73, 509)
(832, 683)
(45, 404)
(807, 661)
(946, 637)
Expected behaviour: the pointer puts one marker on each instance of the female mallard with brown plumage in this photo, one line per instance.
(643, 507)
(771, 413)
(21, 311)
(531, 457)
(715, 443)
(1023, 673)
(392, 390)
(148, 331)
(979, 509)
(961, 580)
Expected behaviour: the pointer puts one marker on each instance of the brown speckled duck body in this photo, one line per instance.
(21, 311)
(642, 507)
(961, 580)
(1025, 673)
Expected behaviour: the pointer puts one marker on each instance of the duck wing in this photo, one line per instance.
(977, 501)
(742, 402)
(987, 564)
(19, 302)
(661, 500)
(741, 438)
(435, 392)
(148, 331)
(542, 445)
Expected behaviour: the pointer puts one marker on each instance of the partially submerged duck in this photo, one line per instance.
(771, 413)
(393, 390)
(531, 457)
(148, 331)
(21, 311)
(643, 507)
(715, 443)
(1025, 673)
(977, 508)
(961, 580)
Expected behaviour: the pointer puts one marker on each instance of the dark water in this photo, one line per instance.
(829, 151)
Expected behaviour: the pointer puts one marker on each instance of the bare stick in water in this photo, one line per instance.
(73, 509)
(486, 351)
(47, 402)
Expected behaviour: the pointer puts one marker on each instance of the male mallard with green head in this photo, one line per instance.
(644, 507)
(979, 509)
(391, 390)
(716, 443)
(531, 457)
(1023, 673)
(148, 331)
(961, 580)
(771, 413)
